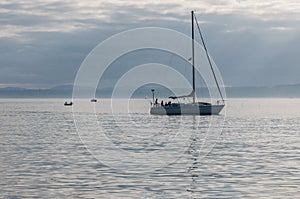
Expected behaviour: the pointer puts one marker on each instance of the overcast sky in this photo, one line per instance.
(253, 42)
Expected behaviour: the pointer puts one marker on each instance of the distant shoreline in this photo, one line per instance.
(281, 91)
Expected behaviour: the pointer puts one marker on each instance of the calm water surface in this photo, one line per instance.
(42, 155)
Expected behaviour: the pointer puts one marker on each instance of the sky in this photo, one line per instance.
(253, 42)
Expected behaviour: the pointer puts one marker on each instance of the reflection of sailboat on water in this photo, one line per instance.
(193, 170)
(196, 151)
(194, 108)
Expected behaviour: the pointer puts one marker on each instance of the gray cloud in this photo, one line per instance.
(43, 43)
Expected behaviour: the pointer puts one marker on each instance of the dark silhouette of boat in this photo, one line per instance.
(93, 100)
(68, 103)
(194, 108)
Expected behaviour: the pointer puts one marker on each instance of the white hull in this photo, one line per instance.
(186, 109)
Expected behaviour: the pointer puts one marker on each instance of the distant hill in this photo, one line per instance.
(13, 92)
(62, 87)
(12, 89)
(281, 91)
(65, 91)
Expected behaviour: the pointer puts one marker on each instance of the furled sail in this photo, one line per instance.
(182, 96)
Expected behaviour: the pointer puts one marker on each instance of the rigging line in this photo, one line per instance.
(209, 61)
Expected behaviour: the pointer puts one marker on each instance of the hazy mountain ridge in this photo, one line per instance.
(65, 91)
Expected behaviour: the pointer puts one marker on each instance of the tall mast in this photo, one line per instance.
(193, 56)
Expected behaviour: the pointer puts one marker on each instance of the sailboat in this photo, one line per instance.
(194, 108)
(68, 103)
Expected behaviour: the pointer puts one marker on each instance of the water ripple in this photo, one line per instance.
(257, 155)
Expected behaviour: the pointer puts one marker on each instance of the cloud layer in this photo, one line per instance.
(43, 42)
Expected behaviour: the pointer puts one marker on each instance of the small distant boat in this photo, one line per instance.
(93, 100)
(68, 103)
